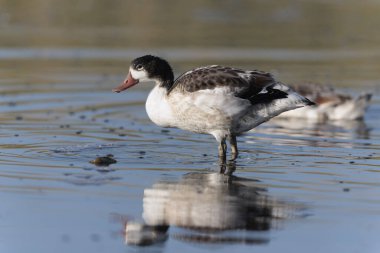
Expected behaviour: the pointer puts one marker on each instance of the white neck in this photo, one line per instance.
(158, 108)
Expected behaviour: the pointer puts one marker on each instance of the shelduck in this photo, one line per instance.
(330, 104)
(222, 101)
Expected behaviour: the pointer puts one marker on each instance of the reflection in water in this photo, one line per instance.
(210, 207)
(340, 129)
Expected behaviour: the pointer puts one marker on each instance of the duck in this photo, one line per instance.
(222, 101)
(331, 105)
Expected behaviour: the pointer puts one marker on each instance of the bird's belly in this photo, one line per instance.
(206, 113)
(203, 123)
(194, 119)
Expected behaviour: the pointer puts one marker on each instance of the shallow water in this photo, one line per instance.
(297, 186)
(326, 176)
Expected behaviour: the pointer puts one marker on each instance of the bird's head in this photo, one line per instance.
(147, 68)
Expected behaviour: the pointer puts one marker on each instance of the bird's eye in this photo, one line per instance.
(139, 67)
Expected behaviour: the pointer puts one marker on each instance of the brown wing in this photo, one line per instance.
(241, 83)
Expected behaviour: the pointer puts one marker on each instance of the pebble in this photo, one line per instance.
(104, 160)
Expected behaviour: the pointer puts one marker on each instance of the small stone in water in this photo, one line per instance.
(104, 160)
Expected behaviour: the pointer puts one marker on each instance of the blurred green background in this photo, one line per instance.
(198, 23)
(325, 41)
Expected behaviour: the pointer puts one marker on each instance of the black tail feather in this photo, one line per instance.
(309, 102)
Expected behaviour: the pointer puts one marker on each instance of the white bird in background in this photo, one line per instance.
(222, 101)
(330, 104)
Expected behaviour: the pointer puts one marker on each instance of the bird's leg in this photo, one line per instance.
(230, 168)
(222, 151)
(234, 149)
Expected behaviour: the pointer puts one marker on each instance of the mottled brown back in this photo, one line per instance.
(243, 84)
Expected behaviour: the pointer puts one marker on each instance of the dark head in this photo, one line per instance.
(148, 68)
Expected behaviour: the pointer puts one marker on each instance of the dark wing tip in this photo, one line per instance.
(309, 103)
(267, 97)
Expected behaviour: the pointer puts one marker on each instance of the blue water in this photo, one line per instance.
(321, 180)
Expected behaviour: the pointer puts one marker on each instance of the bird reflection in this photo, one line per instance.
(334, 128)
(209, 207)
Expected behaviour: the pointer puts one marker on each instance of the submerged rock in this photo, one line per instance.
(103, 160)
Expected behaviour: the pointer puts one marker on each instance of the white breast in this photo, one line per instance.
(158, 108)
